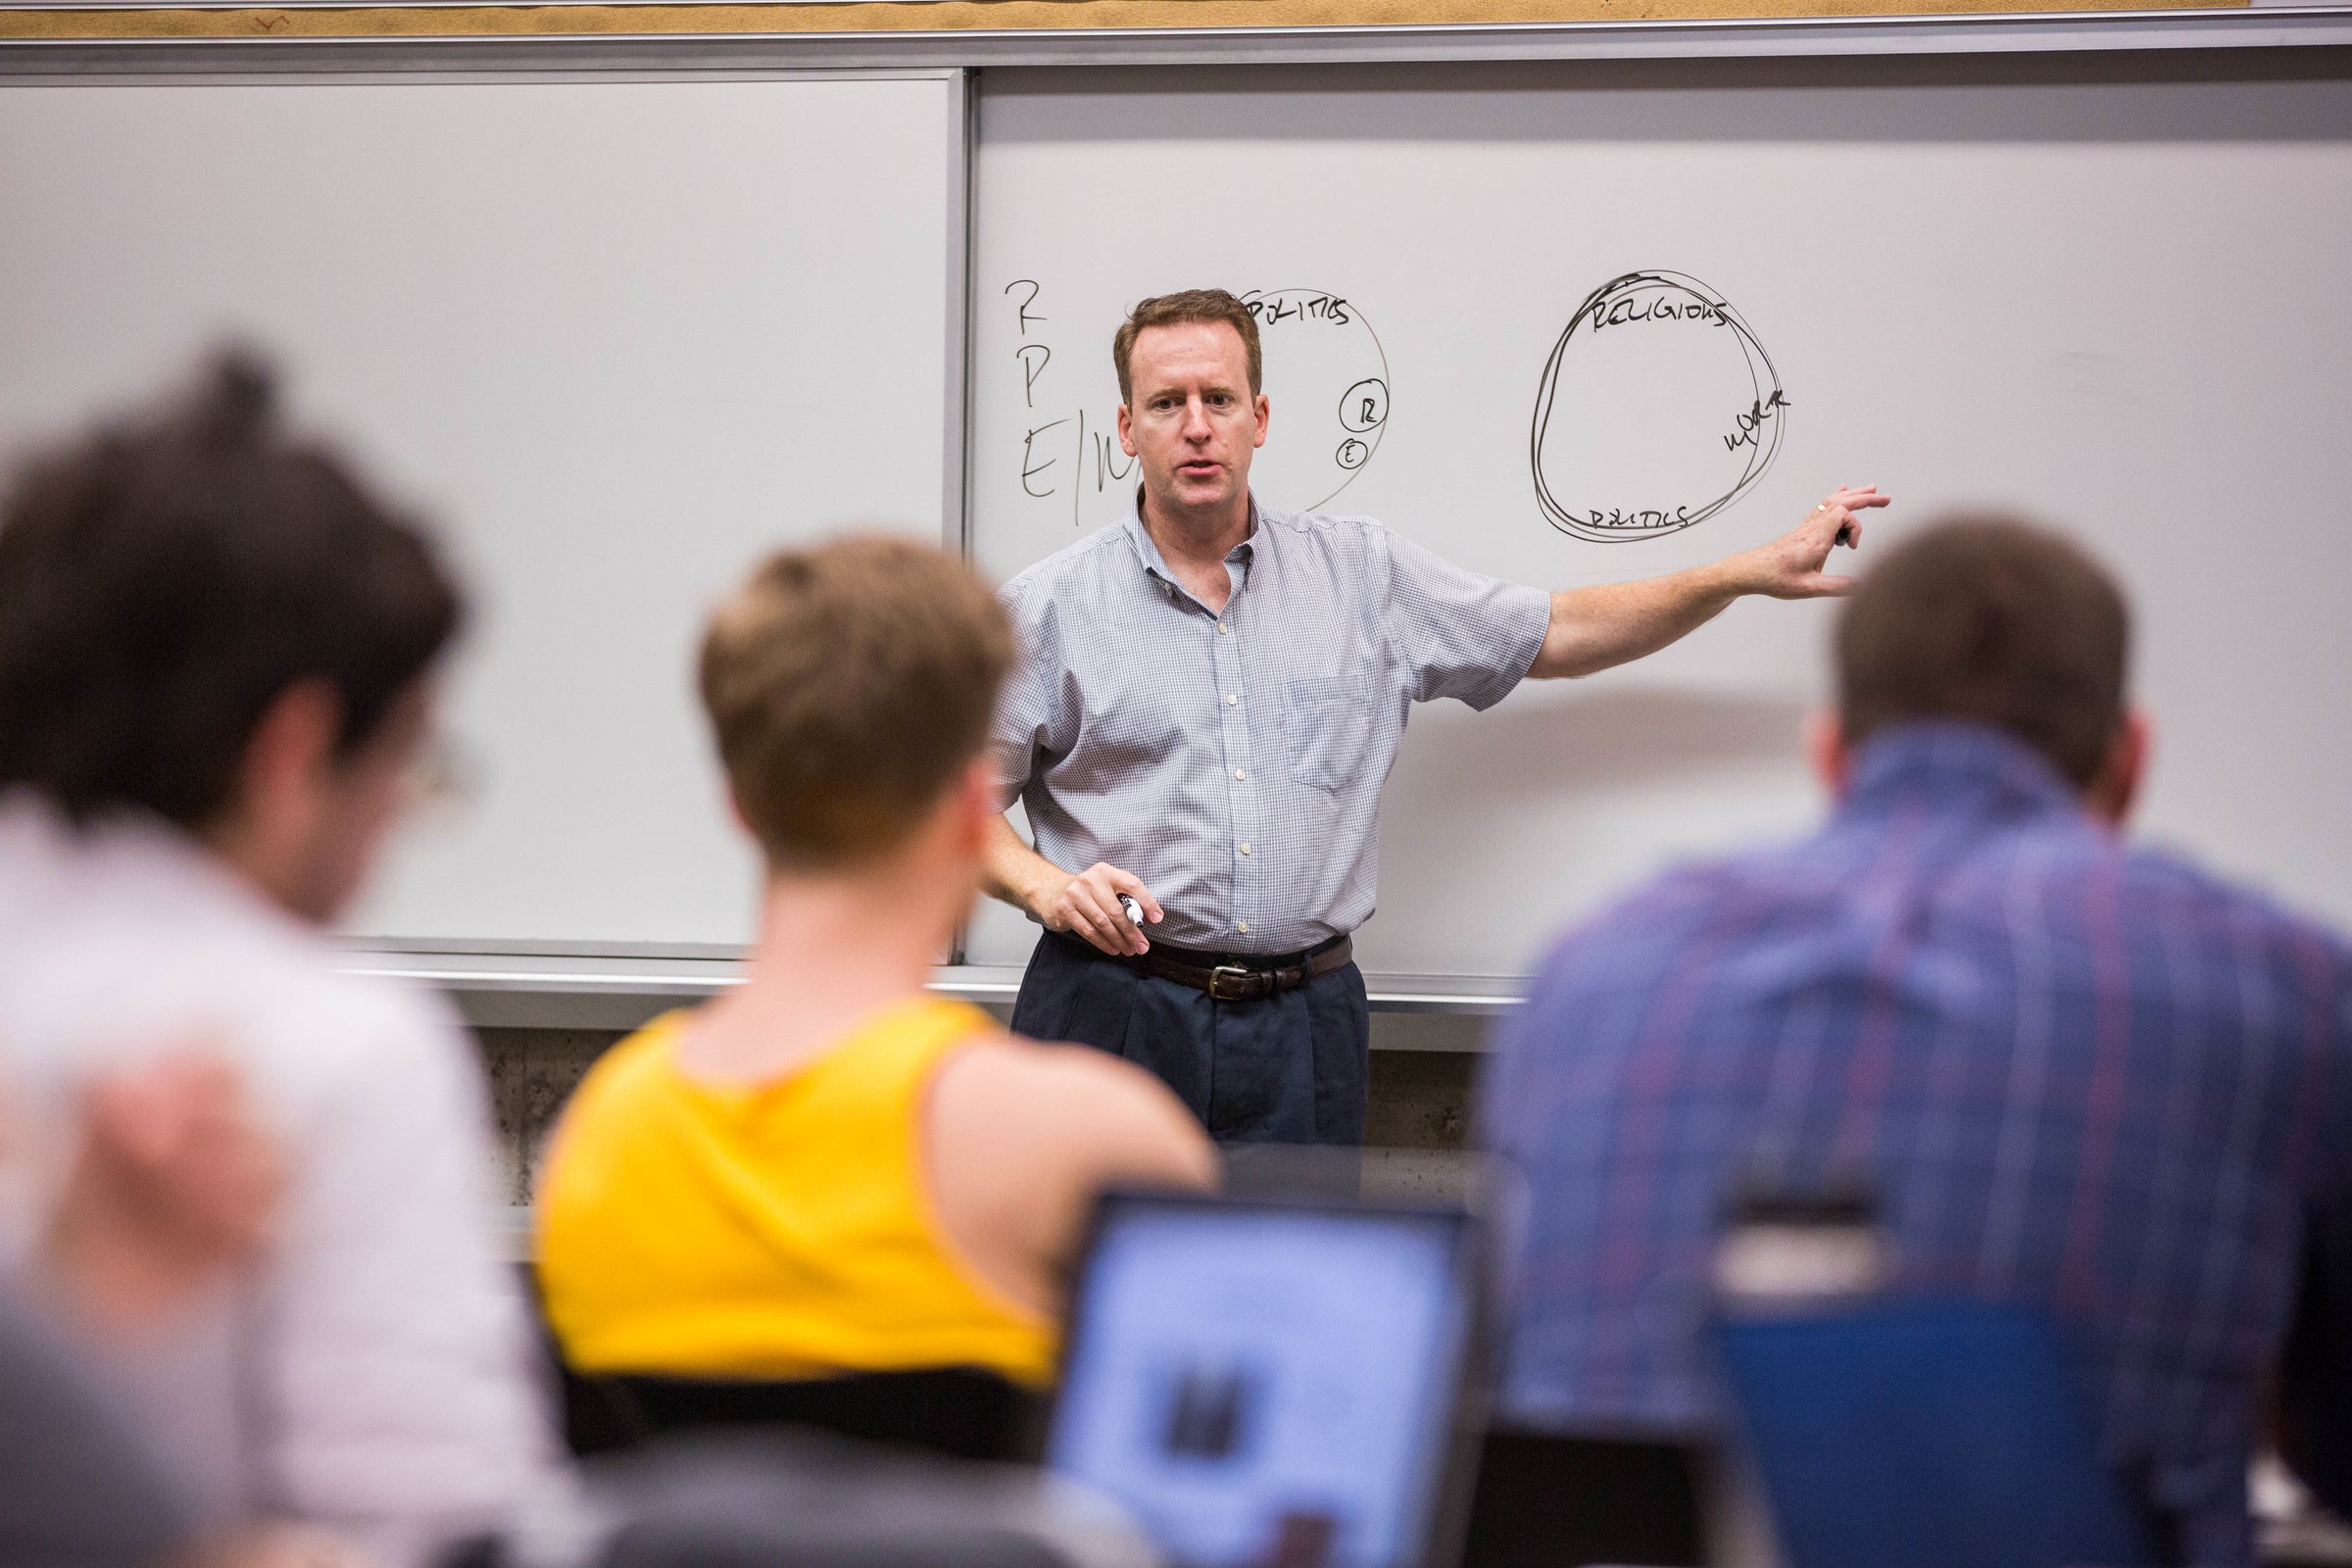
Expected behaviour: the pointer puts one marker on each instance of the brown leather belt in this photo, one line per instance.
(1237, 977)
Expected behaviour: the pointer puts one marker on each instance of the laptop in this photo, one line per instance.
(1276, 1383)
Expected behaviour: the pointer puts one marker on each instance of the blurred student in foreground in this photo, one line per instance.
(828, 1171)
(170, 1190)
(2084, 1077)
(217, 653)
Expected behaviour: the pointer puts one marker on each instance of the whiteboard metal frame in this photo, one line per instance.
(956, 462)
(701, 54)
(552, 991)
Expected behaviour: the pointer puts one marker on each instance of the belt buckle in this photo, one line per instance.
(1217, 980)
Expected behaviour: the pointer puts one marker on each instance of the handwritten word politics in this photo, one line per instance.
(1296, 305)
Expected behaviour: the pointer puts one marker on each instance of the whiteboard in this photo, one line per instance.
(2107, 294)
(617, 337)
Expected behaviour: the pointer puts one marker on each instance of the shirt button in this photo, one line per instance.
(1244, 848)
(1230, 700)
(1241, 772)
(1244, 928)
(1223, 630)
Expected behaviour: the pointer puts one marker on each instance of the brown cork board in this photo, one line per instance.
(884, 16)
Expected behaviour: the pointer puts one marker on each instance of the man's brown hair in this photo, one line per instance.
(1174, 310)
(1992, 619)
(848, 686)
(167, 576)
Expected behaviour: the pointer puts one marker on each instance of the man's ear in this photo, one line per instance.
(976, 806)
(1265, 412)
(1825, 750)
(292, 744)
(1127, 431)
(743, 823)
(2115, 789)
(268, 827)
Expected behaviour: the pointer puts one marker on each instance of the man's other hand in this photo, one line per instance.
(176, 1186)
(1088, 906)
(1790, 566)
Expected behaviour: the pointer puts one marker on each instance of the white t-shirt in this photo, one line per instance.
(375, 1377)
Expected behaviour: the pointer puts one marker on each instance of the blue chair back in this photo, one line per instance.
(1923, 1434)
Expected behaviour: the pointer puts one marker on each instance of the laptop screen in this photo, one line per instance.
(1266, 1385)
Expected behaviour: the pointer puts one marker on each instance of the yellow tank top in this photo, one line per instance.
(781, 1229)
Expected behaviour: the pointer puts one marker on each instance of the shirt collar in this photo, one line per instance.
(1147, 552)
(1951, 760)
(44, 857)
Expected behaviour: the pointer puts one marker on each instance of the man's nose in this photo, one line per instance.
(1195, 420)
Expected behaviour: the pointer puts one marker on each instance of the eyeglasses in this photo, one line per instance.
(444, 779)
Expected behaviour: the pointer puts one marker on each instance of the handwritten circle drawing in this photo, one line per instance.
(1658, 409)
(1328, 380)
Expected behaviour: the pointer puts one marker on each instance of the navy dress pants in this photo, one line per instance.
(1291, 1069)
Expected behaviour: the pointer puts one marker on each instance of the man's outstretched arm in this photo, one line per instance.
(1086, 905)
(1615, 624)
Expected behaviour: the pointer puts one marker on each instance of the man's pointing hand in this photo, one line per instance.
(1790, 566)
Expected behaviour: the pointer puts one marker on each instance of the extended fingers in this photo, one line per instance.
(1856, 496)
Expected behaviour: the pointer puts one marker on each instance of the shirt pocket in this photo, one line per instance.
(1327, 725)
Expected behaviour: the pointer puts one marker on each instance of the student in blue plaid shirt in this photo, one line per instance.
(2083, 1076)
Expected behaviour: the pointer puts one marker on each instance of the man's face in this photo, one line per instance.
(1191, 416)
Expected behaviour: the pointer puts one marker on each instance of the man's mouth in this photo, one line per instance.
(1200, 469)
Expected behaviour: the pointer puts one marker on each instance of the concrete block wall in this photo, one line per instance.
(1422, 1078)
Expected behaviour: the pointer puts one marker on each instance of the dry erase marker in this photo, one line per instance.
(1135, 911)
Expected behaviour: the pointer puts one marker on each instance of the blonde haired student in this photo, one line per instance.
(829, 1170)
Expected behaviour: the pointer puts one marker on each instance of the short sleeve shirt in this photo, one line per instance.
(1234, 763)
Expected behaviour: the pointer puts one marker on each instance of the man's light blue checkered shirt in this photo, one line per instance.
(1235, 763)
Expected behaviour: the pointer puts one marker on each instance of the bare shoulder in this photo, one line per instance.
(1071, 1106)
(1022, 1138)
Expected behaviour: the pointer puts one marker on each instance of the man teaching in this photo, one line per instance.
(1210, 695)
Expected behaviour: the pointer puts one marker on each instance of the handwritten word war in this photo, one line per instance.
(1752, 421)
